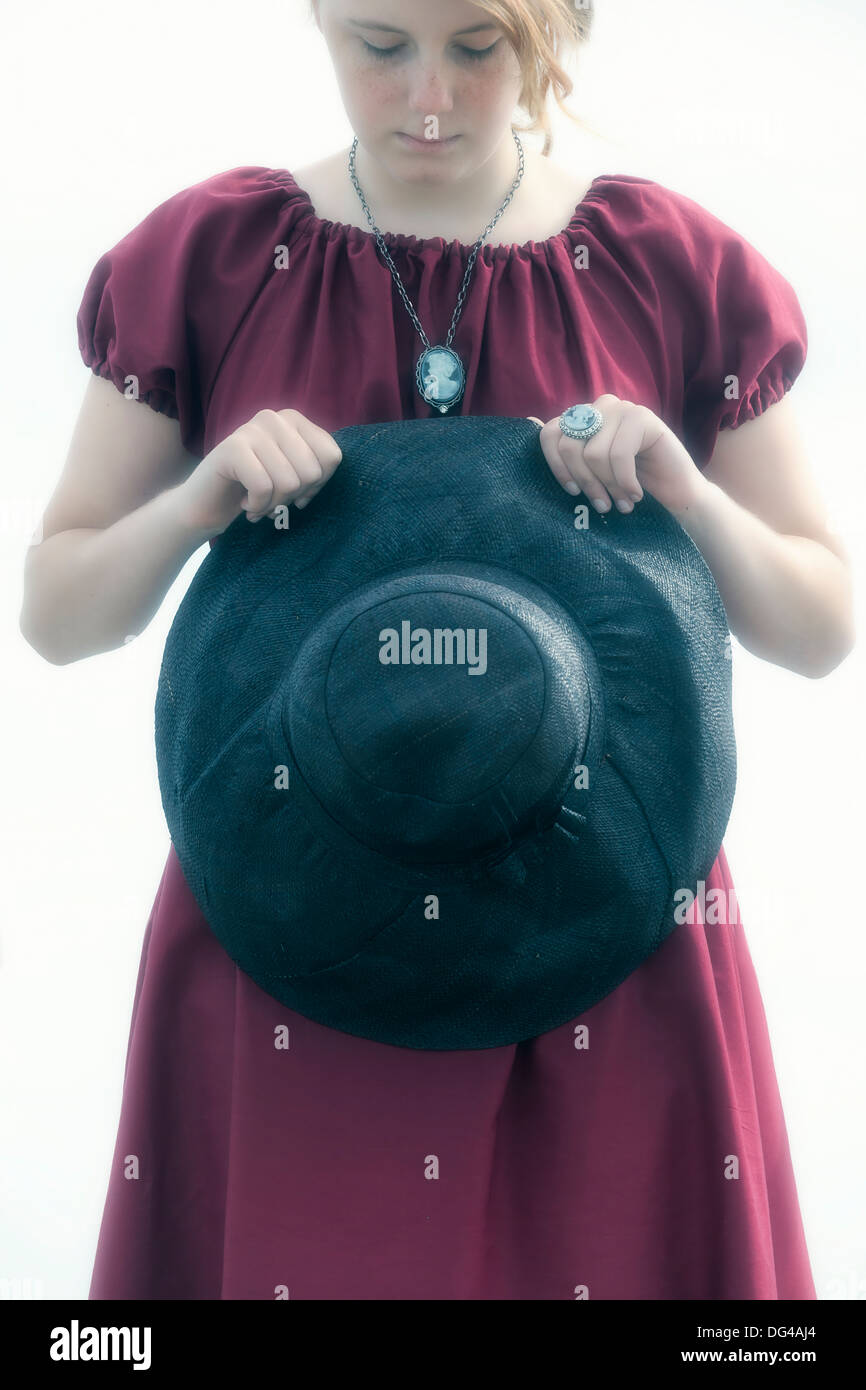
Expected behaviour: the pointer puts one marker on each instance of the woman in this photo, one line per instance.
(255, 313)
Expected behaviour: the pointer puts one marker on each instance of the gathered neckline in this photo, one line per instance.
(407, 241)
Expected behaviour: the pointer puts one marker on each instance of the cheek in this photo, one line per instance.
(492, 89)
(368, 91)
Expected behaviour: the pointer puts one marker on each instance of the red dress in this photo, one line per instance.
(644, 1156)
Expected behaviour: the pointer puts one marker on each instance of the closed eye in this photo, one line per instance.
(471, 54)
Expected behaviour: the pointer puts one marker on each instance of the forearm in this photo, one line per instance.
(87, 590)
(788, 598)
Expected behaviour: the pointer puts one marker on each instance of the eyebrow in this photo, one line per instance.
(392, 29)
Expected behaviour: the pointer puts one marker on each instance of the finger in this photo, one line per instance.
(327, 451)
(584, 472)
(251, 473)
(274, 425)
(580, 478)
(324, 446)
(623, 452)
(580, 468)
(549, 439)
(595, 453)
(284, 477)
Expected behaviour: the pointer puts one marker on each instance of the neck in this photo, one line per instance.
(469, 196)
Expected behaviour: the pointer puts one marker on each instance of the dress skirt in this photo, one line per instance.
(637, 1152)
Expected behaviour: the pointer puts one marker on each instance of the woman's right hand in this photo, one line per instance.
(278, 457)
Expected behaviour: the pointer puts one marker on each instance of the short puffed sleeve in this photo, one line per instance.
(744, 333)
(160, 307)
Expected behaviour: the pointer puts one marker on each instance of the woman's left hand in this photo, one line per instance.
(633, 450)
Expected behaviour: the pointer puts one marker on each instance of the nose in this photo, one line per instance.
(429, 89)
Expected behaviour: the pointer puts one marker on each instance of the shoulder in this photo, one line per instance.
(683, 245)
(642, 204)
(220, 230)
(248, 193)
(162, 303)
(220, 216)
(692, 273)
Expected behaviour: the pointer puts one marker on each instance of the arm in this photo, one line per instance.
(757, 517)
(114, 535)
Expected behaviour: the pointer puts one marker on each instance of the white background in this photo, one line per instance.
(752, 108)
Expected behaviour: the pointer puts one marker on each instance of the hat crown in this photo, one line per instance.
(437, 714)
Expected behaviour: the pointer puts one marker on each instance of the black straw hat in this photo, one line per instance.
(436, 758)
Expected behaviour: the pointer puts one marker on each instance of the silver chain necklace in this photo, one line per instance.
(439, 372)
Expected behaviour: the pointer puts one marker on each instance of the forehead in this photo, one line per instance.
(446, 19)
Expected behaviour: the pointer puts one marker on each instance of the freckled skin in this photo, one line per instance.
(430, 76)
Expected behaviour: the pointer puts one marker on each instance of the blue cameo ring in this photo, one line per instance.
(581, 421)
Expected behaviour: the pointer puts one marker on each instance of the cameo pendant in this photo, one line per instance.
(440, 377)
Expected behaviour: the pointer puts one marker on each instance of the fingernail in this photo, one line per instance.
(635, 496)
(572, 488)
(624, 504)
(601, 504)
(302, 504)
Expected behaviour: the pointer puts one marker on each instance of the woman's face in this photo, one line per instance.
(412, 68)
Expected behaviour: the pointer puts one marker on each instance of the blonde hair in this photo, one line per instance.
(540, 32)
